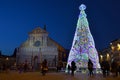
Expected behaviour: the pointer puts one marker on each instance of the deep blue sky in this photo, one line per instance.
(18, 17)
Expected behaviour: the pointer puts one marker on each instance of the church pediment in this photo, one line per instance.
(38, 30)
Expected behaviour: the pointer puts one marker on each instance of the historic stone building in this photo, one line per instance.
(38, 47)
(112, 52)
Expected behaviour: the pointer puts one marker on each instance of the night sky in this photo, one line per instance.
(18, 17)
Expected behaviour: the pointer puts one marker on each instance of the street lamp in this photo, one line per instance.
(101, 58)
(40, 55)
(108, 56)
(118, 46)
(113, 48)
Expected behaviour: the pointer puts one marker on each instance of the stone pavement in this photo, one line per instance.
(52, 76)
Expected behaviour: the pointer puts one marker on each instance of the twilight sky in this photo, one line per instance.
(18, 17)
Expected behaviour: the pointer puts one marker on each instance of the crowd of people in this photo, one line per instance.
(25, 67)
(71, 69)
(106, 68)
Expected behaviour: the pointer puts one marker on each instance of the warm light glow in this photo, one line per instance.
(108, 55)
(112, 47)
(101, 57)
(7, 58)
(118, 45)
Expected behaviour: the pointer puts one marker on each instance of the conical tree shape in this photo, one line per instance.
(83, 47)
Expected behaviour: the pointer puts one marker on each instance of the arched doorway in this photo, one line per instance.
(35, 62)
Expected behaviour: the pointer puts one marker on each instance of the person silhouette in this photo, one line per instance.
(69, 69)
(90, 67)
(44, 67)
(73, 67)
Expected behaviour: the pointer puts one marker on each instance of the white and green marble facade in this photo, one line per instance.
(38, 47)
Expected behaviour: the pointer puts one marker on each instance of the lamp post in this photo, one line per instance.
(40, 55)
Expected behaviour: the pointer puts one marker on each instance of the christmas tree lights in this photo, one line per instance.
(83, 46)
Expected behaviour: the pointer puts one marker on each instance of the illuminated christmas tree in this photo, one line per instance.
(83, 46)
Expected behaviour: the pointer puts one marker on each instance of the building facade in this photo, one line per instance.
(39, 46)
(111, 53)
(115, 50)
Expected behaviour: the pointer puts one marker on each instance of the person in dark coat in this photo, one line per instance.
(44, 67)
(73, 67)
(116, 65)
(90, 68)
(105, 68)
(69, 68)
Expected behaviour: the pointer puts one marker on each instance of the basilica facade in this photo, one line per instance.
(39, 46)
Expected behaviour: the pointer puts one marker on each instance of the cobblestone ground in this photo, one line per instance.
(52, 76)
